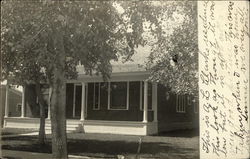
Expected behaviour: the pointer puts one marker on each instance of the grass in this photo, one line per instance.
(178, 144)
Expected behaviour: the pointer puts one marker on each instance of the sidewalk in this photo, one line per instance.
(10, 154)
(26, 134)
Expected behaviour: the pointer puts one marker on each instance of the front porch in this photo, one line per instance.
(127, 104)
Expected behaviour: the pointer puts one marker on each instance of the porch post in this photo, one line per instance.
(49, 102)
(6, 112)
(23, 103)
(86, 101)
(83, 102)
(155, 106)
(145, 110)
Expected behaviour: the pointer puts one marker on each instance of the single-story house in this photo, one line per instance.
(127, 104)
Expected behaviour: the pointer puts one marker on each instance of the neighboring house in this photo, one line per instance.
(118, 106)
(15, 102)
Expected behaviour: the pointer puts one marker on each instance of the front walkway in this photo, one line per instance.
(28, 155)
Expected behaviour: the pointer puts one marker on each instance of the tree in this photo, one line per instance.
(44, 41)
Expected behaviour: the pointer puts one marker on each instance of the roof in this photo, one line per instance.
(135, 64)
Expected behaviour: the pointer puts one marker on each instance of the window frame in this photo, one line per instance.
(127, 96)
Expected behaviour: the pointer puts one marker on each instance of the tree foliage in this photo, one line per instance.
(90, 28)
(173, 60)
(170, 29)
(92, 34)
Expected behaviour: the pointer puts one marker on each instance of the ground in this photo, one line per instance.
(172, 145)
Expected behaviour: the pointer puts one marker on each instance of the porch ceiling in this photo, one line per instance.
(118, 76)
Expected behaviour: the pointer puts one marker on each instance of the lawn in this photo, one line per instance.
(173, 145)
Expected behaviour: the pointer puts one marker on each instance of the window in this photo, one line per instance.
(180, 103)
(149, 96)
(101, 96)
(119, 95)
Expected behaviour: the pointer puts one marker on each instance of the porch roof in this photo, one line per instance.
(119, 68)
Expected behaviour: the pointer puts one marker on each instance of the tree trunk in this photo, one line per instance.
(41, 137)
(58, 104)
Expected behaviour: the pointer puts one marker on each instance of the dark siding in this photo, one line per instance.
(167, 114)
(69, 100)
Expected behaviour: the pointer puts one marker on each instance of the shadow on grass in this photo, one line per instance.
(109, 148)
(181, 133)
(122, 147)
(25, 143)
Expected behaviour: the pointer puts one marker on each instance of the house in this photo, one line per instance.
(15, 102)
(126, 104)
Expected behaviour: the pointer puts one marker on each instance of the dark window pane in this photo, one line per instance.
(118, 95)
